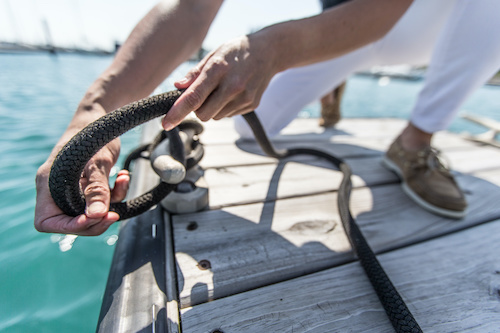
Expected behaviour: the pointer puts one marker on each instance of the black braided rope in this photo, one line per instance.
(400, 316)
(67, 168)
(134, 155)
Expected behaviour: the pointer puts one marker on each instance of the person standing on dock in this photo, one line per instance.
(234, 79)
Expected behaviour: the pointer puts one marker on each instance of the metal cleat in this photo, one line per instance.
(191, 195)
(169, 169)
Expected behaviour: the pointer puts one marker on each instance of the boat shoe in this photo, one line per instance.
(426, 180)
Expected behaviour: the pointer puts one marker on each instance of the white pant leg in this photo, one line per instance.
(290, 91)
(410, 41)
(467, 54)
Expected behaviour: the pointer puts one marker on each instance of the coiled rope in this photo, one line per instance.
(67, 168)
(69, 164)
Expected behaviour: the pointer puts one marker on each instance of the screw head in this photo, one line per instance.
(192, 226)
(204, 265)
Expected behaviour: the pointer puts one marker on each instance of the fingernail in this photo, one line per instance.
(113, 217)
(96, 208)
(183, 81)
(123, 173)
(168, 126)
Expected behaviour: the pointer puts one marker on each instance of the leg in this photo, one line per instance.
(293, 89)
(466, 55)
(330, 106)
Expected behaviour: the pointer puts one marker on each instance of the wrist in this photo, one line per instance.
(100, 97)
(284, 43)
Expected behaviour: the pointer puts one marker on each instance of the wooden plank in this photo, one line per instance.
(474, 160)
(252, 245)
(483, 121)
(450, 284)
(301, 130)
(388, 208)
(365, 141)
(246, 248)
(492, 176)
(265, 182)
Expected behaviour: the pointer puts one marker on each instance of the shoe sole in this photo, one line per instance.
(417, 199)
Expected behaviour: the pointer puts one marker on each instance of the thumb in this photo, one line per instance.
(97, 194)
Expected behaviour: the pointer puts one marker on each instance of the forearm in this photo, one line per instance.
(332, 33)
(170, 33)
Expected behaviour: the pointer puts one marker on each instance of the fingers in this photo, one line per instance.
(97, 218)
(196, 93)
(192, 74)
(190, 100)
(49, 218)
(188, 79)
(229, 81)
(210, 98)
(80, 225)
(122, 182)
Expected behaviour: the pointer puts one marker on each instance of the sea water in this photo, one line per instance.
(55, 283)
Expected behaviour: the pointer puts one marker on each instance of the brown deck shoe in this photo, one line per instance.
(426, 180)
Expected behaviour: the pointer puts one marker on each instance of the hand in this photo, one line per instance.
(227, 82)
(94, 182)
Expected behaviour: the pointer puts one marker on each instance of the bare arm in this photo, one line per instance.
(170, 33)
(163, 39)
(232, 79)
(334, 32)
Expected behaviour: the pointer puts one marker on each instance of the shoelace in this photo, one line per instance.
(431, 159)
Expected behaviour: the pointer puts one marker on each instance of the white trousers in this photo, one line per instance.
(458, 39)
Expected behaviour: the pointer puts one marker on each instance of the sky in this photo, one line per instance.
(99, 23)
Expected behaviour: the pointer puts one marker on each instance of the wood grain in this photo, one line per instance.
(450, 284)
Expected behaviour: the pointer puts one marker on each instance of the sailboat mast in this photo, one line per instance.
(48, 37)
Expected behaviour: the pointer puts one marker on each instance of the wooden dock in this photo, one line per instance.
(270, 254)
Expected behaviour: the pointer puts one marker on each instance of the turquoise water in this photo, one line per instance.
(42, 288)
(48, 283)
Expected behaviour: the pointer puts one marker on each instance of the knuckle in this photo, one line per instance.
(193, 99)
(101, 160)
(96, 189)
(203, 116)
(193, 72)
(217, 62)
(42, 174)
(238, 87)
(248, 100)
(217, 67)
(221, 115)
(39, 226)
(254, 104)
(66, 230)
